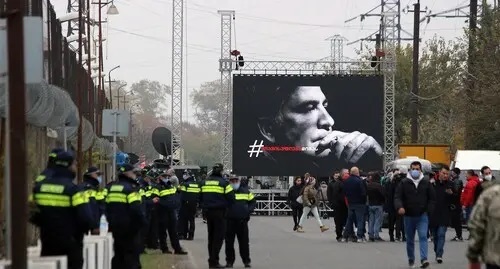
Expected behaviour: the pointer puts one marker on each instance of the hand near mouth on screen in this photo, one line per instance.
(350, 146)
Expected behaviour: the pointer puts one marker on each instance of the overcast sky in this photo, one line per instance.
(139, 38)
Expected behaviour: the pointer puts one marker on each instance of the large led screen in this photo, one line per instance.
(290, 125)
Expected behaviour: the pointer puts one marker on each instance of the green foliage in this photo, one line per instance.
(200, 147)
(206, 101)
(152, 96)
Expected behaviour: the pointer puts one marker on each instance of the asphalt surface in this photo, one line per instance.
(274, 245)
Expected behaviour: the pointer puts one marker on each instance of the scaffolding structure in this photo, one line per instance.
(177, 72)
(390, 39)
(336, 53)
(226, 106)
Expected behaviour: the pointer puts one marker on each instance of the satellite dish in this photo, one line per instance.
(133, 158)
(162, 138)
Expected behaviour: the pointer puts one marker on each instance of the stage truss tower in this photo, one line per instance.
(336, 53)
(226, 108)
(390, 39)
(177, 72)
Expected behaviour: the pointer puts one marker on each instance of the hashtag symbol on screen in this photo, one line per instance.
(256, 148)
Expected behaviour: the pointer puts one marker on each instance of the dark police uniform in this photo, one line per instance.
(63, 209)
(169, 203)
(190, 197)
(215, 197)
(238, 216)
(126, 218)
(149, 193)
(96, 196)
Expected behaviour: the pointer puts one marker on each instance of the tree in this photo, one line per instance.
(200, 148)
(153, 96)
(206, 101)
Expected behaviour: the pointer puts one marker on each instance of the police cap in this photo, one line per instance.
(64, 158)
(126, 168)
(92, 169)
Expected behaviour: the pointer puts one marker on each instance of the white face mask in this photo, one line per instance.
(488, 177)
(185, 177)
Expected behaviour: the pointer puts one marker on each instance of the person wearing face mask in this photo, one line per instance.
(167, 206)
(488, 181)
(238, 215)
(190, 197)
(126, 217)
(92, 180)
(63, 212)
(415, 200)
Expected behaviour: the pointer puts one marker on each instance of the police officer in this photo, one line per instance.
(91, 181)
(50, 164)
(126, 218)
(215, 197)
(190, 197)
(150, 198)
(63, 209)
(167, 206)
(238, 216)
(153, 229)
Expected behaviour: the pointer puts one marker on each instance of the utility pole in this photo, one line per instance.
(17, 189)
(414, 86)
(79, 94)
(470, 89)
(90, 84)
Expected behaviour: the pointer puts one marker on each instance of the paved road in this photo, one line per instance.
(274, 245)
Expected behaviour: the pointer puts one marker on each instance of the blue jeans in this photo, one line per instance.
(418, 225)
(356, 214)
(375, 221)
(439, 235)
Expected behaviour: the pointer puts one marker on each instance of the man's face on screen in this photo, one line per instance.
(305, 120)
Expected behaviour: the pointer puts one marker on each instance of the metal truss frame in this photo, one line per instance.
(177, 72)
(390, 29)
(226, 106)
(336, 53)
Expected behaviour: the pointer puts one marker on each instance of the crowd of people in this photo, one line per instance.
(410, 202)
(141, 207)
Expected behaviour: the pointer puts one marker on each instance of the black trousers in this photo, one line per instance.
(126, 245)
(168, 222)
(216, 225)
(296, 214)
(186, 220)
(340, 219)
(456, 221)
(59, 245)
(145, 231)
(396, 221)
(237, 228)
(153, 228)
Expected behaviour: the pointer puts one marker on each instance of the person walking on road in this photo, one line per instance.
(293, 194)
(215, 198)
(441, 215)
(376, 201)
(355, 193)
(456, 208)
(484, 227)
(310, 203)
(337, 200)
(415, 199)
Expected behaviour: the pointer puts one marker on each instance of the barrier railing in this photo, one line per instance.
(97, 254)
(274, 203)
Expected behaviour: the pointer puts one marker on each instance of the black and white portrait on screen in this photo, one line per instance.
(288, 125)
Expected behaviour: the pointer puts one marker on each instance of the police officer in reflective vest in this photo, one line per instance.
(215, 197)
(126, 218)
(91, 181)
(190, 197)
(167, 206)
(238, 216)
(62, 210)
(150, 198)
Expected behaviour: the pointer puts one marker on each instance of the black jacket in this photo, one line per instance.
(441, 214)
(376, 194)
(336, 196)
(124, 210)
(96, 199)
(169, 196)
(216, 193)
(243, 206)
(415, 201)
(458, 186)
(390, 193)
(293, 193)
(355, 190)
(190, 191)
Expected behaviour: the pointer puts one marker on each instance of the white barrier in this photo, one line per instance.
(97, 254)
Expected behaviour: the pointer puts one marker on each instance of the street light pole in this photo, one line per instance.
(110, 92)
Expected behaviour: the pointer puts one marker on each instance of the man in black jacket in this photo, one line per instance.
(440, 217)
(395, 220)
(355, 193)
(415, 199)
(337, 201)
(456, 207)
